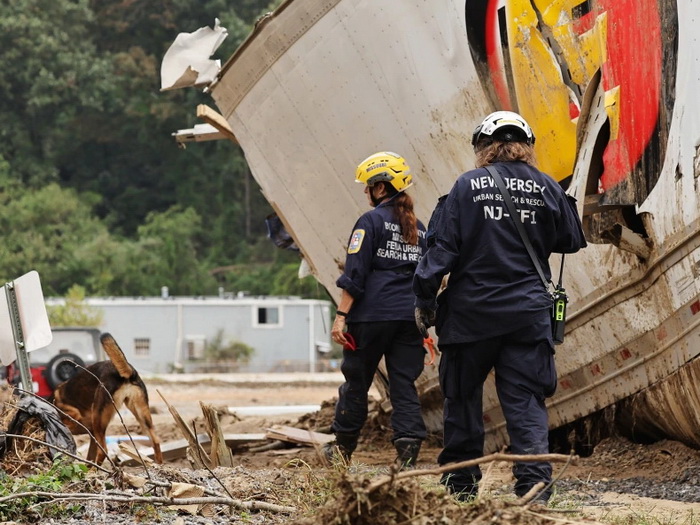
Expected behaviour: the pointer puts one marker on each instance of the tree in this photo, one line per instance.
(51, 77)
(44, 230)
(94, 189)
(170, 249)
(75, 312)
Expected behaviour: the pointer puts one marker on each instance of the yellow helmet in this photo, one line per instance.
(385, 166)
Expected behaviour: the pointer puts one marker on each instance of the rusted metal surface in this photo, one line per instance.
(609, 89)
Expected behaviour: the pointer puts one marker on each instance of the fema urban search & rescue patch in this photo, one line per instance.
(356, 241)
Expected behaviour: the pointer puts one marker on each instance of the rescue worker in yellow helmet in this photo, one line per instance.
(376, 307)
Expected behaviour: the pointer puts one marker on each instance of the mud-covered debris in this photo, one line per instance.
(321, 419)
(417, 502)
(56, 433)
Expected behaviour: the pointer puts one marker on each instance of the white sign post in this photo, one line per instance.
(24, 323)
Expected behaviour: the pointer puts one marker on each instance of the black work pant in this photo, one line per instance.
(525, 375)
(401, 345)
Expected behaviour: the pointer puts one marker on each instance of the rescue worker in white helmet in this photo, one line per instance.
(495, 312)
(376, 306)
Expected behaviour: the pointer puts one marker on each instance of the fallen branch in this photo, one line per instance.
(571, 460)
(169, 485)
(484, 480)
(530, 494)
(557, 458)
(76, 496)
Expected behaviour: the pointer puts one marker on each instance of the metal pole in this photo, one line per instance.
(312, 339)
(22, 358)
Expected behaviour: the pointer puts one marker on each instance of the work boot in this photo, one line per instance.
(461, 485)
(407, 449)
(342, 448)
(541, 496)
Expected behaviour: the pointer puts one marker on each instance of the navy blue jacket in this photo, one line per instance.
(493, 286)
(379, 267)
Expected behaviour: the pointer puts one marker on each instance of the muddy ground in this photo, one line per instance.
(622, 482)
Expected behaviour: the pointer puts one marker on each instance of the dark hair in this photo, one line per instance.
(488, 152)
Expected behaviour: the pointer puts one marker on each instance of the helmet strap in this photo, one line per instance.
(376, 201)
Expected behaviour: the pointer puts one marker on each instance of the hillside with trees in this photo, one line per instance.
(94, 190)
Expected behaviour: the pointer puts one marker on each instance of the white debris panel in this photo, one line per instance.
(187, 61)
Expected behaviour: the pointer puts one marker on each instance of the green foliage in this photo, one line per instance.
(169, 247)
(220, 350)
(66, 471)
(51, 76)
(44, 229)
(94, 190)
(275, 278)
(75, 312)
(61, 473)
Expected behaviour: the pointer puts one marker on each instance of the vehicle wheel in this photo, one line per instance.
(61, 368)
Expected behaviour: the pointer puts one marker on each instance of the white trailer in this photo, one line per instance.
(609, 87)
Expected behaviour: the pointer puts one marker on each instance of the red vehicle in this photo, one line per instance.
(55, 363)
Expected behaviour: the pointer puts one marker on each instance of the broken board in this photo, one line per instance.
(299, 436)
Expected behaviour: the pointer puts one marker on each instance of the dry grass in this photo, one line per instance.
(22, 455)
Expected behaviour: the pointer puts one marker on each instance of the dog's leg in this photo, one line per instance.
(139, 408)
(98, 445)
(93, 452)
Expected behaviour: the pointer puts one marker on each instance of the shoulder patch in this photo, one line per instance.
(356, 241)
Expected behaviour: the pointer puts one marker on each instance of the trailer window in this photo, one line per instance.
(268, 316)
(142, 346)
(195, 347)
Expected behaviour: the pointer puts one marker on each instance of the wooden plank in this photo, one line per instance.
(177, 449)
(128, 454)
(298, 435)
(171, 450)
(200, 133)
(210, 116)
(286, 452)
(234, 440)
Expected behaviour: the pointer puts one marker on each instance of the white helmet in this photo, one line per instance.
(505, 126)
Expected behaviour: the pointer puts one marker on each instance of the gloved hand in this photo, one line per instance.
(425, 318)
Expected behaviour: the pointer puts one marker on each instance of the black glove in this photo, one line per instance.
(425, 318)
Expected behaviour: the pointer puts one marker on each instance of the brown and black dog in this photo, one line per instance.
(88, 402)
